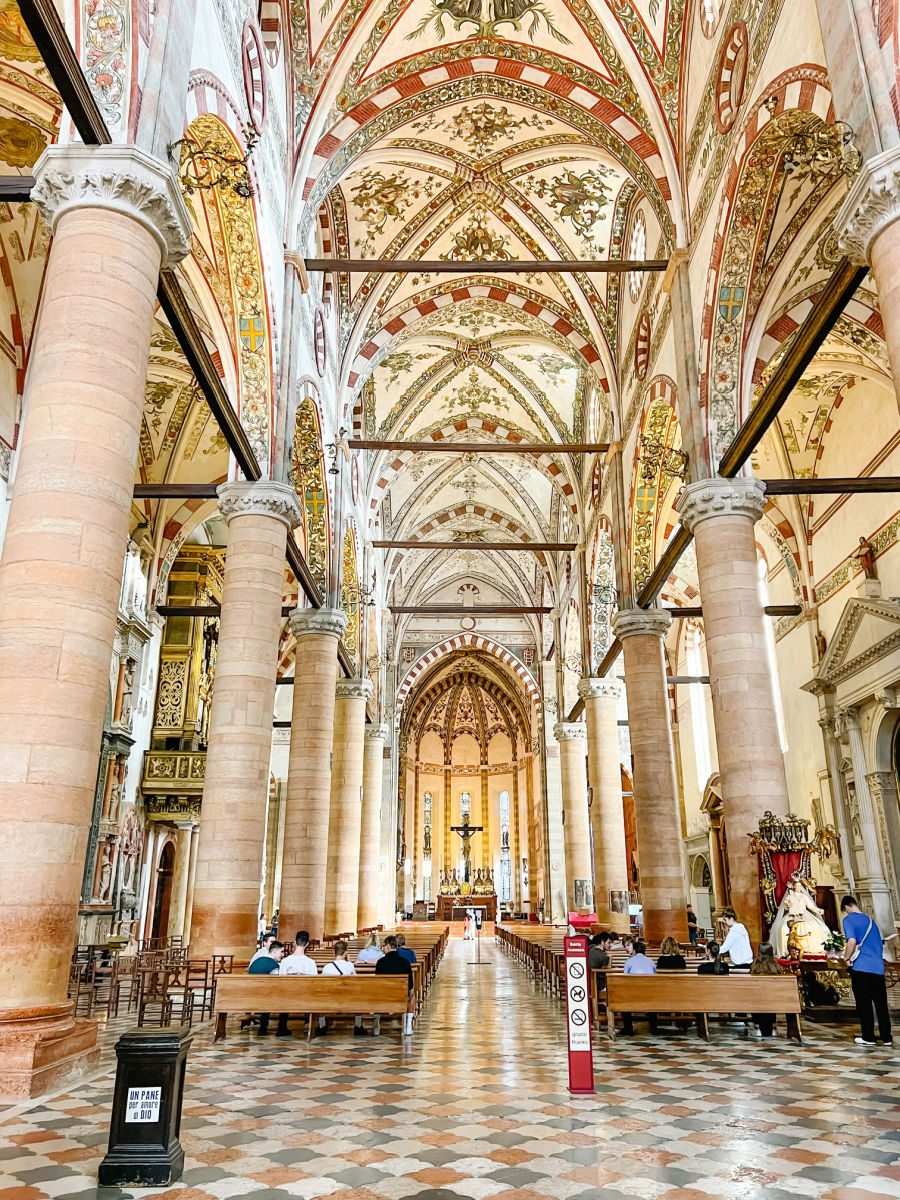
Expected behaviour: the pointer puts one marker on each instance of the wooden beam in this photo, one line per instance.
(821, 319)
(48, 32)
(189, 610)
(16, 189)
(418, 544)
(187, 332)
(442, 447)
(771, 610)
(348, 666)
(303, 574)
(687, 679)
(400, 266)
(832, 487)
(175, 491)
(663, 569)
(457, 610)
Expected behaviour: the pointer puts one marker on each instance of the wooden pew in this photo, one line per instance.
(700, 995)
(350, 995)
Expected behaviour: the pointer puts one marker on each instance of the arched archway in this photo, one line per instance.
(162, 900)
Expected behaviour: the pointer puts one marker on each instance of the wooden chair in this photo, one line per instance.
(163, 994)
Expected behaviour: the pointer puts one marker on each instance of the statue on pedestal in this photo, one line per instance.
(865, 556)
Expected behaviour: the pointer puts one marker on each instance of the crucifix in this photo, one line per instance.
(465, 832)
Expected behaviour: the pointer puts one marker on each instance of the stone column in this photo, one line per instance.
(873, 884)
(345, 815)
(116, 215)
(656, 813)
(370, 883)
(236, 790)
(721, 514)
(192, 880)
(308, 798)
(601, 706)
(180, 878)
(572, 738)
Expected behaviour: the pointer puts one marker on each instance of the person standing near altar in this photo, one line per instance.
(864, 953)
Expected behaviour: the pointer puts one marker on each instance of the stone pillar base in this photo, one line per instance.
(43, 1050)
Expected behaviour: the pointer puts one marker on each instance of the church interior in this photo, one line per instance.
(449, 457)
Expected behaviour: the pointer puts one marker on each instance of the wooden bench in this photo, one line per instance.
(351, 995)
(700, 995)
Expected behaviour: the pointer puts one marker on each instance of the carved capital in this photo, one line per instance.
(709, 498)
(872, 204)
(122, 179)
(307, 621)
(846, 719)
(570, 731)
(591, 688)
(636, 622)
(353, 689)
(263, 499)
(377, 733)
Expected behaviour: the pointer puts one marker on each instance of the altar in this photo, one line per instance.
(453, 908)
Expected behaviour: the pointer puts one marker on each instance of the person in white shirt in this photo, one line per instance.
(370, 953)
(737, 942)
(299, 963)
(340, 965)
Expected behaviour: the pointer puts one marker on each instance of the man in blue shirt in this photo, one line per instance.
(268, 964)
(405, 951)
(866, 973)
(637, 963)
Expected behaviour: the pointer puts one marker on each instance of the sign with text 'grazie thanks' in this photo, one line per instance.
(578, 1016)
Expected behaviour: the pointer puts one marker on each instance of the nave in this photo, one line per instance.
(475, 1105)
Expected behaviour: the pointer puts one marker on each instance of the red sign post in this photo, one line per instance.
(578, 1016)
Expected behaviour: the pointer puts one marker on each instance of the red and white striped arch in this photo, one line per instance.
(505, 293)
(468, 641)
(805, 89)
(542, 79)
(545, 462)
(788, 321)
(469, 509)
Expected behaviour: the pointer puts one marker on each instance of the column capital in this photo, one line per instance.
(123, 179)
(259, 499)
(353, 689)
(306, 621)
(872, 204)
(377, 733)
(633, 622)
(709, 498)
(597, 687)
(847, 719)
(570, 731)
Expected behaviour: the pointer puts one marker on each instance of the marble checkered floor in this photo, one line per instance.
(475, 1105)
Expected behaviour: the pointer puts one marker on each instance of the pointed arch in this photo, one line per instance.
(462, 641)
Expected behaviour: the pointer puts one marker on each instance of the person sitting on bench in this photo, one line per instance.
(638, 963)
(395, 963)
(269, 964)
